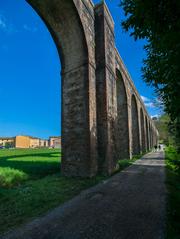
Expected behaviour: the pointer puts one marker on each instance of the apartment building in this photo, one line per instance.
(30, 142)
(7, 141)
(43, 143)
(22, 141)
(34, 142)
(25, 141)
(55, 142)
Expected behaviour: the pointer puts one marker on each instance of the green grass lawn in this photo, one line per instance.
(17, 165)
(31, 184)
(173, 186)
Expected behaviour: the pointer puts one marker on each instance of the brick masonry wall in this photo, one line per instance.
(93, 112)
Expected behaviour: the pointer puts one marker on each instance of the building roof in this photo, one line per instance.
(55, 137)
(7, 138)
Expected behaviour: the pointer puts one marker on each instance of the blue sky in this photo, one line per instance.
(30, 68)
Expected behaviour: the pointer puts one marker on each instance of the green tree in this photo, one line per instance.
(158, 21)
(162, 124)
(9, 145)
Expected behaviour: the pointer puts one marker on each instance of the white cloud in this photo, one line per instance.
(6, 26)
(150, 105)
(148, 102)
(2, 23)
(29, 29)
(10, 28)
(155, 116)
(145, 99)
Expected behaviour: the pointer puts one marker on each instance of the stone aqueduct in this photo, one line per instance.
(103, 116)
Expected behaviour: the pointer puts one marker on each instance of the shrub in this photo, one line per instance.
(11, 177)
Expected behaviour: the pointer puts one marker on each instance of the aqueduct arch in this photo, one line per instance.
(147, 134)
(100, 115)
(78, 111)
(150, 135)
(135, 126)
(122, 140)
(143, 140)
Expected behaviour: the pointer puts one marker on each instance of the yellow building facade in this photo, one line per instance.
(22, 142)
(34, 142)
(30, 142)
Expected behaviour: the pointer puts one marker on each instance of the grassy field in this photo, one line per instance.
(31, 184)
(17, 165)
(173, 186)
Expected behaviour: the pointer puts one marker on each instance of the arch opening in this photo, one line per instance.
(147, 134)
(150, 136)
(142, 131)
(135, 127)
(122, 133)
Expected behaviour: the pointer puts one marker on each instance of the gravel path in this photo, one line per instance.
(130, 205)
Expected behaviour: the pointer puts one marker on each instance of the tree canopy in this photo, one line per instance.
(162, 124)
(158, 21)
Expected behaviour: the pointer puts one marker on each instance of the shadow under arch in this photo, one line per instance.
(135, 126)
(78, 146)
(143, 140)
(147, 134)
(150, 136)
(122, 133)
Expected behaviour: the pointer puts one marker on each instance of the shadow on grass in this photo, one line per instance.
(35, 165)
(45, 154)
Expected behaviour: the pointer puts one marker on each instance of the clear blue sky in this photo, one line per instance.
(30, 68)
